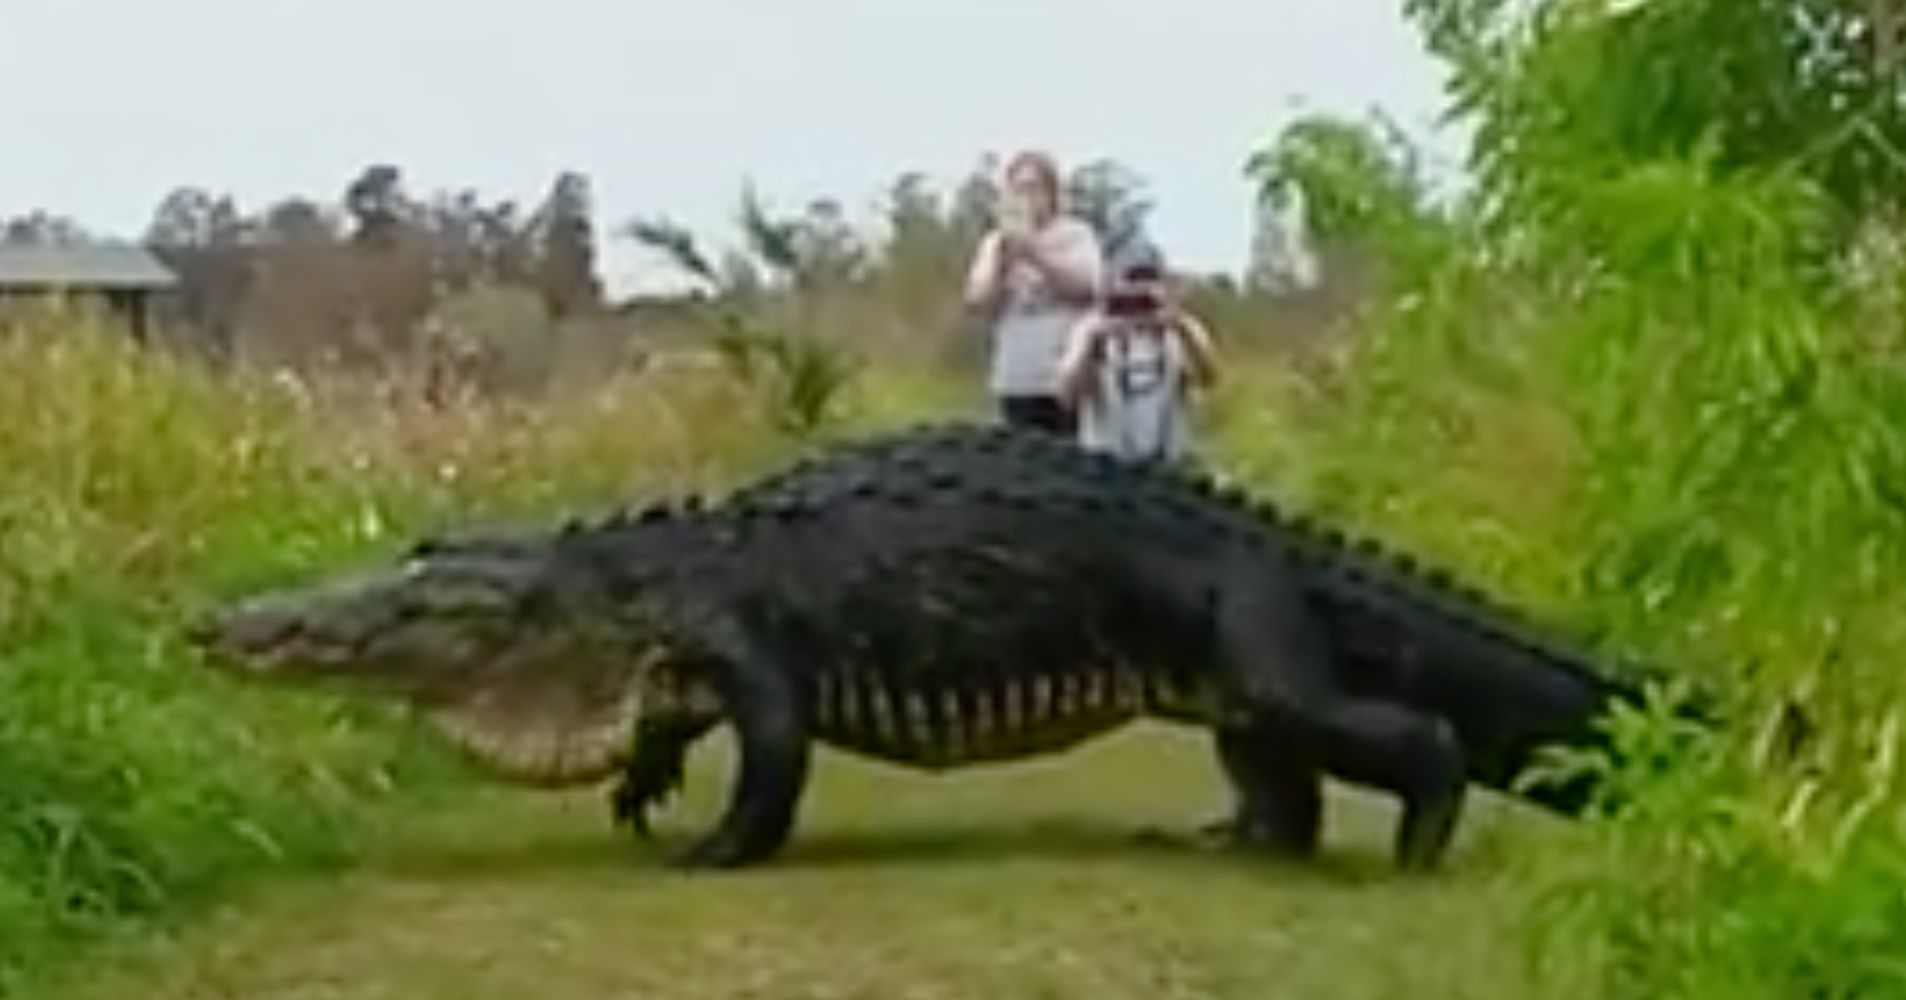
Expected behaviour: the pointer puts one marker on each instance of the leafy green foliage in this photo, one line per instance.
(1355, 180)
(141, 489)
(797, 374)
(1652, 385)
(1562, 89)
(133, 781)
(1111, 198)
(799, 381)
(1361, 189)
(1648, 377)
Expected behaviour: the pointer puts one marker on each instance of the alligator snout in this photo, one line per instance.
(201, 631)
(244, 633)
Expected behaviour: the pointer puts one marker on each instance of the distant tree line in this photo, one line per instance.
(365, 276)
(360, 274)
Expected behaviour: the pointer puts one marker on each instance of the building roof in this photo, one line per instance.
(90, 265)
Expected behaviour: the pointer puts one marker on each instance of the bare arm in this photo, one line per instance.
(1200, 351)
(984, 277)
(1081, 353)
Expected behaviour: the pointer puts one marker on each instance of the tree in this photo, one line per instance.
(194, 217)
(1564, 91)
(679, 247)
(1360, 192)
(300, 222)
(1111, 198)
(41, 228)
(927, 241)
(827, 249)
(566, 250)
(207, 241)
(377, 205)
(297, 304)
(1352, 180)
(1281, 256)
(976, 200)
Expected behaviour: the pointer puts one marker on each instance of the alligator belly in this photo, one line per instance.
(1017, 717)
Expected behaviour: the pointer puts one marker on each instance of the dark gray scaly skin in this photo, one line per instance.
(941, 597)
(1398, 631)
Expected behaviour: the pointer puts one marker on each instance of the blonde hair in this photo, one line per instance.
(1043, 166)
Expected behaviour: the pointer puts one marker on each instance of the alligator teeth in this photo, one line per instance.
(1158, 690)
(918, 722)
(1066, 696)
(1096, 691)
(541, 753)
(1119, 681)
(565, 754)
(1012, 709)
(953, 721)
(983, 725)
(849, 703)
(884, 722)
(824, 700)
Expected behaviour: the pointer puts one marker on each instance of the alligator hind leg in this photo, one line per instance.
(1414, 756)
(1279, 793)
(1282, 675)
(770, 724)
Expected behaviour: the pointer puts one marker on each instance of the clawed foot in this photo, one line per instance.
(634, 795)
(1233, 833)
(1218, 834)
(1424, 835)
(653, 771)
(715, 851)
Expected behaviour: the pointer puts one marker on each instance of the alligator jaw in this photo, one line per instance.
(308, 633)
(242, 638)
(510, 703)
(547, 737)
(541, 756)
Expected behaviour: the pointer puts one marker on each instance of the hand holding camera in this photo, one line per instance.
(1133, 302)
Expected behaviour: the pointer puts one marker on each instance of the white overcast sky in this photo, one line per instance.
(670, 107)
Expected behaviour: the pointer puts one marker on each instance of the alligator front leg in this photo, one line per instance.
(654, 770)
(1279, 791)
(762, 701)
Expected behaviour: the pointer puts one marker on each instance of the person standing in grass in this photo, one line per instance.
(1033, 277)
(1130, 366)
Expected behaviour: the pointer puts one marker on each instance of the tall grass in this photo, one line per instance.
(132, 490)
(137, 488)
(1672, 428)
(1668, 424)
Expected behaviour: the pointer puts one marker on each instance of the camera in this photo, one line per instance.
(1127, 302)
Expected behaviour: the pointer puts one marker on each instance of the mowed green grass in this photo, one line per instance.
(1018, 881)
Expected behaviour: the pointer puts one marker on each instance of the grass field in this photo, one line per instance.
(165, 835)
(274, 846)
(1027, 881)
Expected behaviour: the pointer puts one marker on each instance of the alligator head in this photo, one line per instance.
(511, 647)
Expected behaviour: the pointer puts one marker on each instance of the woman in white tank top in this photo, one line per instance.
(1032, 279)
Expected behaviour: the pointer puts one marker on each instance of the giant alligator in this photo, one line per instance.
(942, 596)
